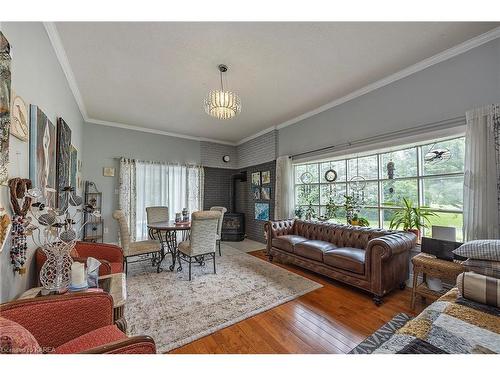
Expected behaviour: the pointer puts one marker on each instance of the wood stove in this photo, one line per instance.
(233, 225)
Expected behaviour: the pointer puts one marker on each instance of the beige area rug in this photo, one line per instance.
(175, 311)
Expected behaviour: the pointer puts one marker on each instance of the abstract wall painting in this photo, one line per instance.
(266, 193)
(256, 179)
(73, 169)
(19, 119)
(43, 154)
(63, 160)
(262, 211)
(5, 93)
(266, 177)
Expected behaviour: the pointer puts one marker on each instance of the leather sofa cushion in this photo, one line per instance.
(347, 258)
(313, 249)
(287, 242)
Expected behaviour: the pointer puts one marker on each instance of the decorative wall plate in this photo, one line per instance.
(331, 175)
(19, 119)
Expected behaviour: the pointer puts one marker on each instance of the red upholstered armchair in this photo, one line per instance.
(75, 323)
(110, 256)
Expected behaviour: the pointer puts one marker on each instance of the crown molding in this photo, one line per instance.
(477, 41)
(55, 40)
(156, 131)
(424, 64)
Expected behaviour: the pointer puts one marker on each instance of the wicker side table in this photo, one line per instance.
(429, 265)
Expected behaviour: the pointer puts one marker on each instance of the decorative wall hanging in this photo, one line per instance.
(265, 193)
(306, 177)
(21, 203)
(108, 172)
(262, 211)
(19, 119)
(266, 177)
(226, 159)
(331, 175)
(43, 154)
(437, 155)
(73, 167)
(63, 161)
(357, 182)
(5, 93)
(256, 179)
(56, 232)
(390, 170)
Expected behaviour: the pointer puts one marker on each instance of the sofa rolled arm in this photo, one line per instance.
(275, 228)
(55, 320)
(391, 244)
(130, 345)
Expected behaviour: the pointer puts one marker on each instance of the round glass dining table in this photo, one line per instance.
(167, 232)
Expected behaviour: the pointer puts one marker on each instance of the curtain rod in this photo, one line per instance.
(438, 125)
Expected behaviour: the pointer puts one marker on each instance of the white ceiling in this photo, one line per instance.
(155, 75)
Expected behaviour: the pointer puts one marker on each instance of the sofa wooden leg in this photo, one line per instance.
(402, 285)
(377, 300)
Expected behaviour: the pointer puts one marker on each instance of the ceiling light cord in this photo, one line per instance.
(221, 82)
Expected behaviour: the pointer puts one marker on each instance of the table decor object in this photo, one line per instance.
(56, 231)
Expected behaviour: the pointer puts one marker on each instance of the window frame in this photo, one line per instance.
(420, 177)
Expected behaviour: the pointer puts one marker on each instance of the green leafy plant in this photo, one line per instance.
(351, 206)
(331, 209)
(410, 217)
(299, 212)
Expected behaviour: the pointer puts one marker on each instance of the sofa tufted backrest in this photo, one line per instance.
(338, 234)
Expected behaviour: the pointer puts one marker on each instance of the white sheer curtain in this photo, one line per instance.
(283, 208)
(163, 184)
(128, 193)
(482, 174)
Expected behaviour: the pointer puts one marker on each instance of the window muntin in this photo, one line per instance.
(438, 186)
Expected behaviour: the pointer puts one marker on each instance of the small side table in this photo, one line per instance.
(115, 284)
(429, 265)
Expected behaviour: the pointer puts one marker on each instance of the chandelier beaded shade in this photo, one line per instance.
(221, 104)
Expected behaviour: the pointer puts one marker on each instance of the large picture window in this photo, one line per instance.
(436, 185)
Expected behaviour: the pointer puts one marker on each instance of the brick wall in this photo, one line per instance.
(217, 187)
(259, 150)
(211, 155)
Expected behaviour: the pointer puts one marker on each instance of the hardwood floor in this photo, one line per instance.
(332, 319)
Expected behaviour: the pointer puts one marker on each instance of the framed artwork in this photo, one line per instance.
(262, 211)
(256, 192)
(19, 119)
(266, 177)
(73, 168)
(63, 160)
(42, 164)
(5, 94)
(265, 193)
(108, 172)
(256, 179)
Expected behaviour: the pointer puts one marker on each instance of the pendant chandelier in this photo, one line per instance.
(221, 104)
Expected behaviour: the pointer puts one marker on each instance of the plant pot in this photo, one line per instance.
(416, 232)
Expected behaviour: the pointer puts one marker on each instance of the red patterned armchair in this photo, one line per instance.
(74, 323)
(110, 256)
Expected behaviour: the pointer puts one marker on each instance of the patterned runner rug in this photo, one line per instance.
(175, 311)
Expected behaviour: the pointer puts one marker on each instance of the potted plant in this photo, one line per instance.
(299, 212)
(411, 218)
(310, 212)
(359, 221)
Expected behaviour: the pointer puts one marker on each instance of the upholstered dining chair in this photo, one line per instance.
(137, 248)
(156, 214)
(222, 210)
(203, 239)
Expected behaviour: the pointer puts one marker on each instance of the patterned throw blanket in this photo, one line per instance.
(449, 325)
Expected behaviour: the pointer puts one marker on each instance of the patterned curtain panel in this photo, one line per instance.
(127, 199)
(164, 184)
(482, 174)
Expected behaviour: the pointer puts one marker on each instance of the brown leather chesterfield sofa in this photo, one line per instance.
(375, 260)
